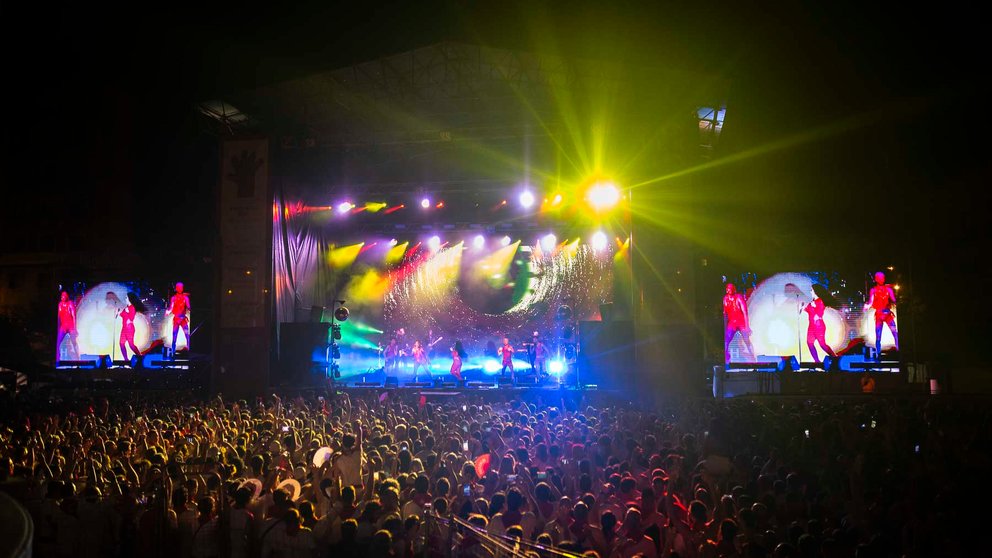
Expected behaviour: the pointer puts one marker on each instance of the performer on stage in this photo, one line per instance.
(128, 314)
(540, 357)
(735, 315)
(457, 354)
(420, 359)
(817, 330)
(881, 297)
(392, 357)
(67, 327)
(531, 347)
(179, 309)
(506, 352)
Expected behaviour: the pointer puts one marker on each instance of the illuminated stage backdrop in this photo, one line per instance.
(467, 290)
(98, 325)
(779, 324)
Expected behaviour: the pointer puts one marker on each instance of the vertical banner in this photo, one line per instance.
(245, 217)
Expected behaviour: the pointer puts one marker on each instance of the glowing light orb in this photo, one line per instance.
(603, 195)
(526, 199)
(505, 241)
(434, 243)
(556, 367)
(345, 207)
(599, 241)
(548, 242)
(392, 242)
(425, 203)
(556, 200)
(479, 241)
(491, 366)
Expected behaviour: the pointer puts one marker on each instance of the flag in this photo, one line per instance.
(482, 464)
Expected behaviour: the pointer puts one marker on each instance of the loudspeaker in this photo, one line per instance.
(607, 356)
(301, 347)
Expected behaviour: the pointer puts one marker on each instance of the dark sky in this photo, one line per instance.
(100, 117)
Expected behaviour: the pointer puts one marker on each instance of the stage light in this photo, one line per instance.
(440, 204)
(425, 203)
(548, 242)
(556, 367)
(345, 207)
(556, 200)
(374, 207)
(599, 241)
(434, 243)
(505, 241)
(392, 242)
(479, 241)
(603, 195)
(526, 199)
(491, 366)
(394, 208)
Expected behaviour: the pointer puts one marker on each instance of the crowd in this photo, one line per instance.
(385, 474)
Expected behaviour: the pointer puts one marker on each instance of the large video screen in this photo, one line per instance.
(473, 290)
(119, 319)
(808, 315)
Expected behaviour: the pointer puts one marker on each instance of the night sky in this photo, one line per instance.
(101, 124)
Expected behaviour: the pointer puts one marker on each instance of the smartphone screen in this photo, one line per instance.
(511, 478)
(467, 490)
(285, 429)
(464, 446)
(542, 475)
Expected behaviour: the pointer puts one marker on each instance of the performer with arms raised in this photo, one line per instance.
(735, 315)
(179, 310)
(881, 298)
(67, 327)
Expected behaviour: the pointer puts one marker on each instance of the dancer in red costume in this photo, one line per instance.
(67, 327)
(128, 314)
(420, 359)
(506, 351)
(457, 354)
(179, 309)
(735, 314)
(881, 298)
(817, 330)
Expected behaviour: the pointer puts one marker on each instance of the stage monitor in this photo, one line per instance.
(808, 316)
(118, 320)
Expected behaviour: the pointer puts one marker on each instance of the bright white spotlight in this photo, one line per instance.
(434, 243)
(505, 241)
(599, 241)
(603, 195)
(548, 242)
(491, 366)
(392, 242)
(345, 207)
(526, 199)
(479, 241)
(425, 203)
(556, 367)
